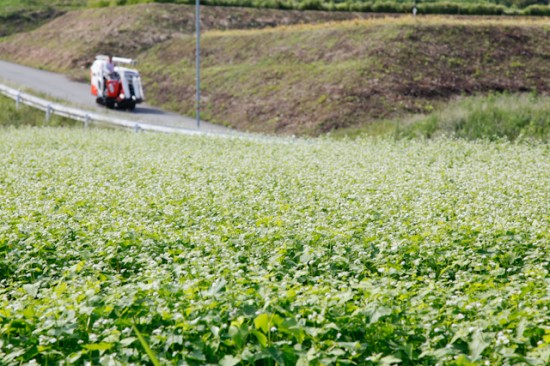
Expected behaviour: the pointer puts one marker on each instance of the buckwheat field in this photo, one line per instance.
(119, 248)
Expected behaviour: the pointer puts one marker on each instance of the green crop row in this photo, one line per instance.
(120, 248)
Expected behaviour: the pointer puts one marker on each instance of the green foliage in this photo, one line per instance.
(497, 116)
(146, 347)
(124, 248)
(27, 116)
(458, 8)
(471, 7)
(540, 10)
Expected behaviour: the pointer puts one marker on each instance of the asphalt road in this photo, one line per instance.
(78, 95)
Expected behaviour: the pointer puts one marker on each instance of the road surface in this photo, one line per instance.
(78, 95)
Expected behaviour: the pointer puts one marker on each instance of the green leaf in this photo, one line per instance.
(103, 346)
(262, 322)
(197, 355)
(229, 360)
(146, 347)
(277, 355)
(477, 345)
(32, 290)
(262, 339)
(389, 360)
(73, 357)
(462, 360)
(217, 286)
(379, 313)
(127, 341)
(337, 352)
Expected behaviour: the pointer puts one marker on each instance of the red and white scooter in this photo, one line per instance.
(121, 89)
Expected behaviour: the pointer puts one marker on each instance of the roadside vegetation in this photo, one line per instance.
(497, 116)
(12, 116)
(125, 248)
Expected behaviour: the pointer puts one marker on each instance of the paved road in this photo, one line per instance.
(78, 95)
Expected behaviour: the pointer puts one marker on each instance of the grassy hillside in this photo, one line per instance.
(24, 15)
(301, 79)
(70, 42)
(309, 252)
(496, 116)
(316, 79)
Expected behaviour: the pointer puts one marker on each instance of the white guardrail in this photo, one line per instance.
(51, 108)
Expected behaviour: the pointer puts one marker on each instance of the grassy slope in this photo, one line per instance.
(302, 79)
(69, 42)
(24, 15)
(497, 116)
(316, 79)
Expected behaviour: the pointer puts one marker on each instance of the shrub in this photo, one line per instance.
(540, 10)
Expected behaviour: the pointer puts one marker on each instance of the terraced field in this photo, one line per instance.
(122, 248)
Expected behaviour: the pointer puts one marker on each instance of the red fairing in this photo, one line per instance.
(113, 88)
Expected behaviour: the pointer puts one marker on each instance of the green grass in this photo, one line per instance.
(10, 7)
(497, 116)
(25, 15)
(512, 117)
(142, 248)
(465, 7)
(12, 116)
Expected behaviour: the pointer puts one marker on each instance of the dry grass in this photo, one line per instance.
(393, 19)
(69, 42)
